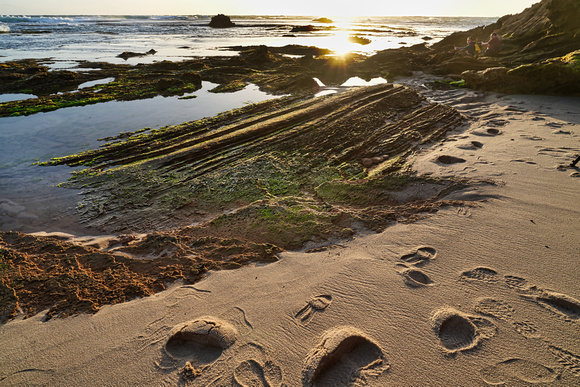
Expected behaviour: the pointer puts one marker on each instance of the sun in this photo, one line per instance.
(340, 43)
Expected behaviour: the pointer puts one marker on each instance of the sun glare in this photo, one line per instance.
(341, 44)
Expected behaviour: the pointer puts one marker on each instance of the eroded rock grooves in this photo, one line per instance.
(278, 150)
(290, 171)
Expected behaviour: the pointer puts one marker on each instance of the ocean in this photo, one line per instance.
(67, 39)
(29, 197)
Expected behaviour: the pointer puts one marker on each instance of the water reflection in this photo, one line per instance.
(351, 82)
(29, 200)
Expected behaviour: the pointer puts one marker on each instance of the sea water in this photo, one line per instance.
(29, 198)
(66, 39)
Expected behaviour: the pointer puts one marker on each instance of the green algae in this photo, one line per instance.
(372, 191)
(289, 170)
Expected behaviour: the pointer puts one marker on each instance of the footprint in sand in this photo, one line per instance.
(567, 359)
(420, 256)
(487, 132)
(345, 356)
(482, 274)
(515, 282)
(473, 145)
(316, 305)
(414, 277)
(558, 303)
(459, 331)
(496, 308)
(526, 329)
(503, 311)
(448, 160)
(251, 373)
(200, 341)
(531, 137)
(508, 371)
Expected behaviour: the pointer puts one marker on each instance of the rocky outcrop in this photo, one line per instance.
(538, 54)
(547, 29)
(554, 76)
(285, 146)
(221, 21)
(129, 54)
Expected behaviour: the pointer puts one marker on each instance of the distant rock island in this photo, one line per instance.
(221, 21)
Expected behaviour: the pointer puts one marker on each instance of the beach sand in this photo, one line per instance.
(484, 294)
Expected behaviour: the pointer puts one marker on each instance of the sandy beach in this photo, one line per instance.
(480, 294)
(420, 228)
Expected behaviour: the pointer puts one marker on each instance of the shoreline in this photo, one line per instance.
(502, 271)
(350, 239)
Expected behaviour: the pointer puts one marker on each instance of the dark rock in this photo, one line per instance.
(289, 49)
(166, 83)
(164, 65)
(539, 53)
(308, 28)
(559, 76)
(191, 77)
(323, 20)
(359, 39)
(367, 163)
(259, 56)
(221, 21)
(128, 54)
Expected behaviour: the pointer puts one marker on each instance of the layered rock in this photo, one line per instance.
(538, 55)
(279, 147)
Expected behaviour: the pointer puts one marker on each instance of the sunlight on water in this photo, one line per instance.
(351, 82)
(15, 97)
(356, 81)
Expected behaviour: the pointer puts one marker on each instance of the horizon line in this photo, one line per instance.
(243, 15)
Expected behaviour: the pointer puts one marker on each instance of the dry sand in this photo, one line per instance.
(485, 294)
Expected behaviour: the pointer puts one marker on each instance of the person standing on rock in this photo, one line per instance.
(493, 45)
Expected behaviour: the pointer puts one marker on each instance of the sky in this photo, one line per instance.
(328, 8)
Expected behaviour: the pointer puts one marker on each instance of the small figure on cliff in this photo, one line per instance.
(492, 45)
(472, 47)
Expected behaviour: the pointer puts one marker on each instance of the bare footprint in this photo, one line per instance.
(420, 256)
(251, 373)
(482, 274)
(517, 369)
(200, 341)
(316, 305)
(459, 331)
(344, 356)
